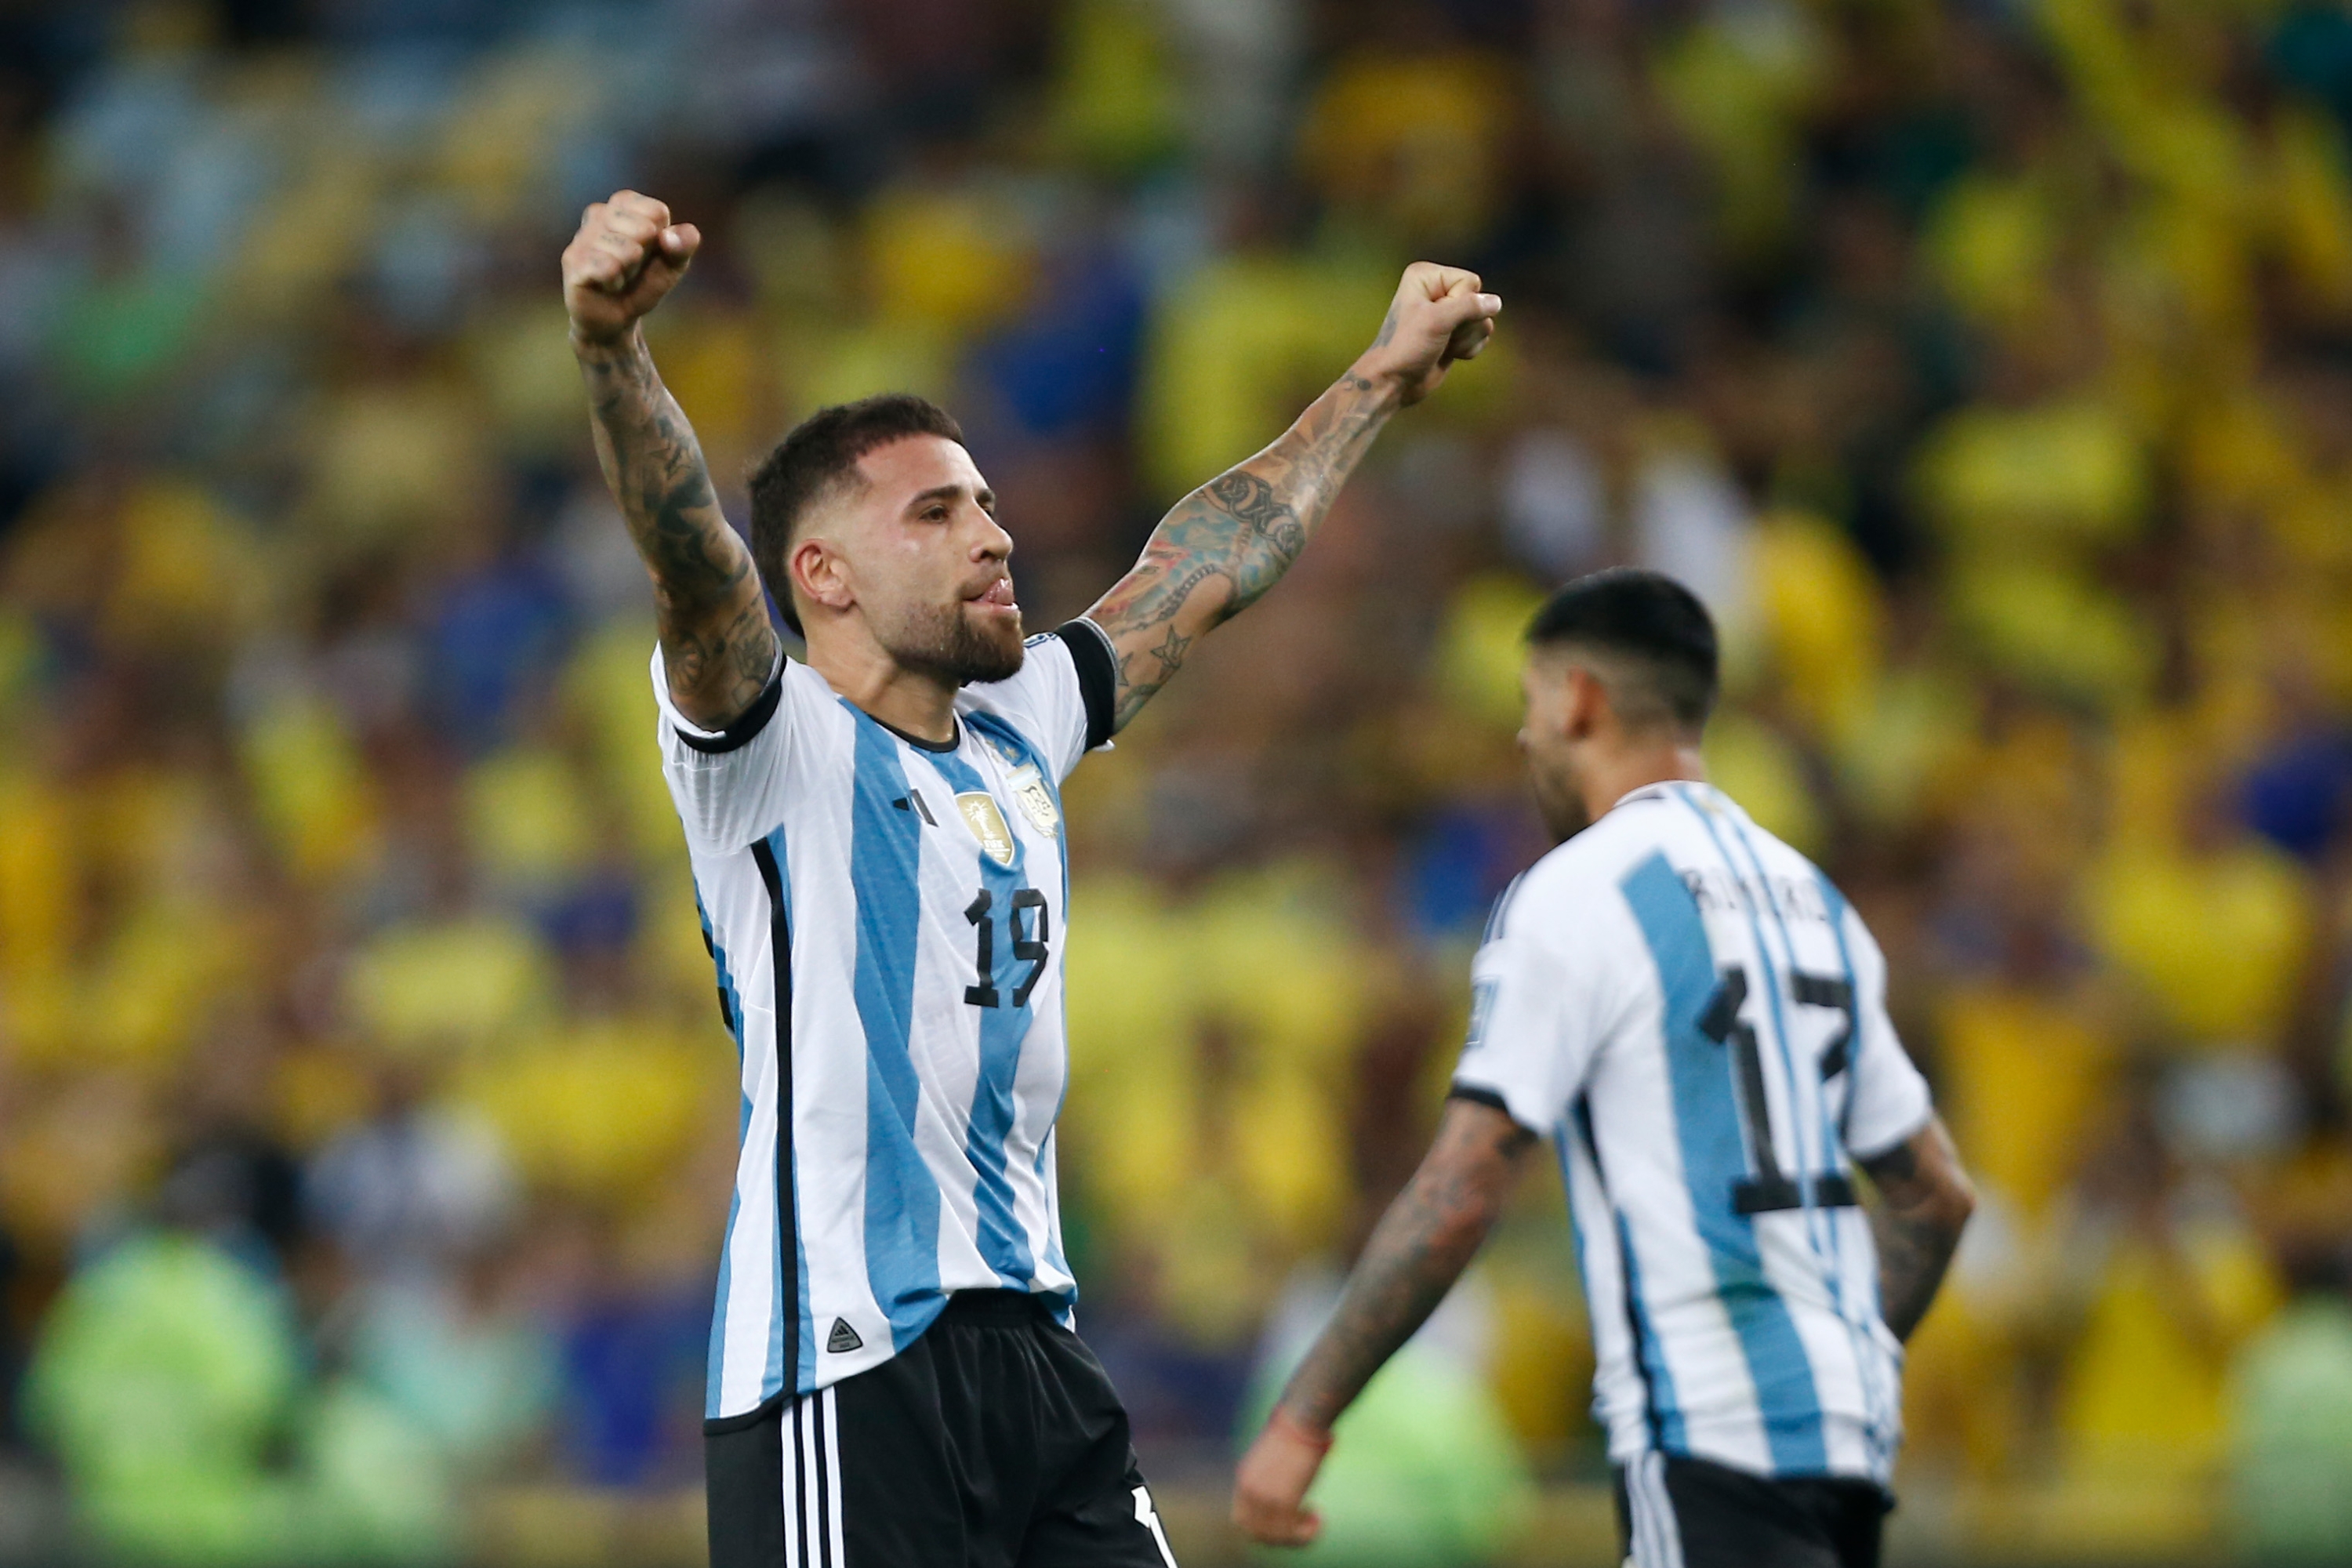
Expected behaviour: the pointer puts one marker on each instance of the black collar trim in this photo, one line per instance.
(942, 747)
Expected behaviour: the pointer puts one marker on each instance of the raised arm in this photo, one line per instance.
(1923, 1203)
(717, 643)
(1223, 546)
(1416, 1253)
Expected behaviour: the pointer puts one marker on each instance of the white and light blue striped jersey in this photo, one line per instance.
(887, 917)
(1698, 1019)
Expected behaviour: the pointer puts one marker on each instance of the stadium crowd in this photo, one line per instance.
(364, 1112)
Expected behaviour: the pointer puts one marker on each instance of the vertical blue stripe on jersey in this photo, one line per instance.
(1667, 1430)
(1004, 1244)
(731, 1007)
(1706, 1125)
(989, 725)
(1817, 1223)
(804, 1371)
(902, 1198)
(1663, 1413)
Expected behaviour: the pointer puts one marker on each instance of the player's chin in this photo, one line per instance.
(993, 643)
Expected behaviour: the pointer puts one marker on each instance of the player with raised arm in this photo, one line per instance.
(877, 849)
(1697, 1020)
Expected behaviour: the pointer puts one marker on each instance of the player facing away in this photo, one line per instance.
(1697, 1020)
(876, 848)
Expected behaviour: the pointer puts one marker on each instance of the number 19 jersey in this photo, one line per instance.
(886, 917)
(1698, 1020)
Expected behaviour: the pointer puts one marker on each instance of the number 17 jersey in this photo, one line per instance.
(886, 916)
(1698, 1020)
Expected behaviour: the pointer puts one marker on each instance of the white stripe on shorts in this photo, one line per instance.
(1643, 1551)
(1648, 1501)
(833, 1474)
(812, 1482)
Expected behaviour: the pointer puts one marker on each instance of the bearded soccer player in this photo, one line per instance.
(875, 839)
(1697, 1020)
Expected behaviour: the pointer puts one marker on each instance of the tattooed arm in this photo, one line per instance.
(1227, 543)
(1420, 1248)
(717, 644)
(1923, 1203)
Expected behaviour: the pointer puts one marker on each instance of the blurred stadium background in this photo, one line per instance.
(365, 1119)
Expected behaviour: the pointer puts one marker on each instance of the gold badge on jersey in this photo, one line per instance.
(1035, 801)
(987, 824)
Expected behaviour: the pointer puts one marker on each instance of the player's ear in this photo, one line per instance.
(1587, 701)
(821, 572)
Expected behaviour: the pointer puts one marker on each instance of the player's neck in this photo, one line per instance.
(913, 702)
(1638, 767)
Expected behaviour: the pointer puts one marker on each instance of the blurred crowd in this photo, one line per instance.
(366, 1116)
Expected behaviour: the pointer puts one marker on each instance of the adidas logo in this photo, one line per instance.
(843, 1339)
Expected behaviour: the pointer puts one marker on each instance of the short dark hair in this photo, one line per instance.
(1648, 623)
(817, 454)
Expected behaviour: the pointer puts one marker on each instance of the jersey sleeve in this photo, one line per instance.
(1890, 1101)
(725, 782)
(1063, 697)
(1534, 1025)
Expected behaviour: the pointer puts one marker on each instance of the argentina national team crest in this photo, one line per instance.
(1036, 801)
(987, 824)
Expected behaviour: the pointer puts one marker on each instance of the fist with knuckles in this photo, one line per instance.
(1270, 1482)
(625, 258)
(1438, 316)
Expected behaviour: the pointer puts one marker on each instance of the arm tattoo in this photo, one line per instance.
(1420, 1248)
(1223, 546)
(1912, 1256)
(717, 643)
(1896, 1171)
(1916, 1221)
(1167, 660)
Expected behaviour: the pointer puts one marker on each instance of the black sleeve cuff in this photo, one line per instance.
(747, 723)
(1098, 677)
(1476, 1095)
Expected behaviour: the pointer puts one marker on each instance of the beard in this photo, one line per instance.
(941, 641)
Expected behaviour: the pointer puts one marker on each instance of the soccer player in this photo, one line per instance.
(1697, 1021)
(877, 847)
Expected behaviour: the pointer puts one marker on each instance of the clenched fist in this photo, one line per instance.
(626, 256)
(1270, 1486)
(1438, 316)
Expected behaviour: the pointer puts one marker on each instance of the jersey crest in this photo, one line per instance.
(1035, 801)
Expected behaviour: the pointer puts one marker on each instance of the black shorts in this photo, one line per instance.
(994, 1441)
(1674, 1512)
